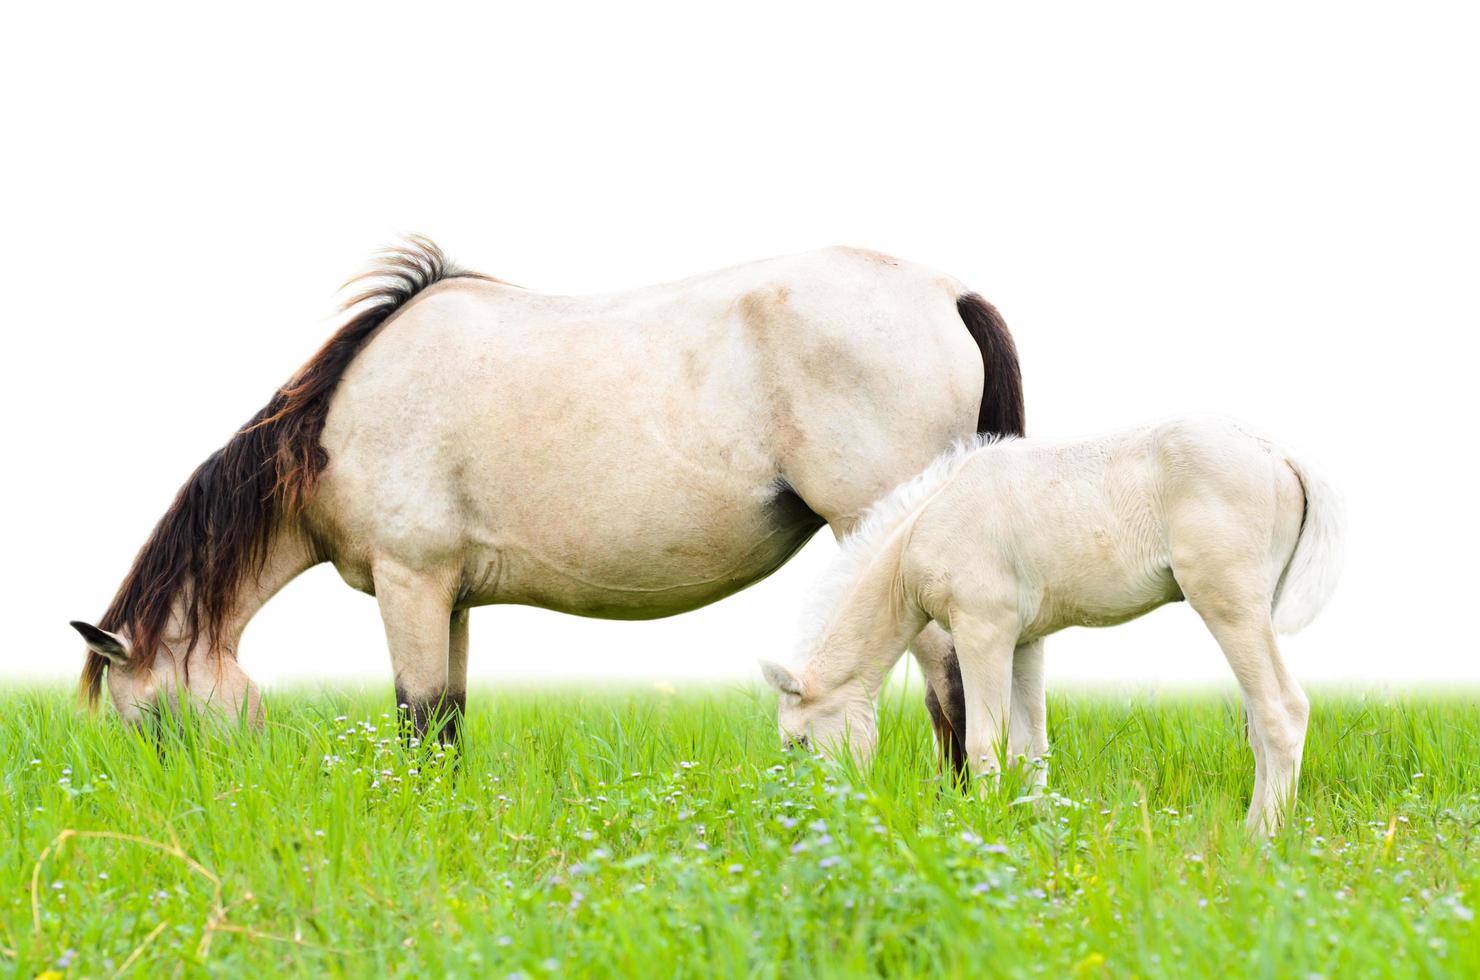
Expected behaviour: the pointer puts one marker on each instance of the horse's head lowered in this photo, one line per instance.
(233, 534)
(141, 685)
(832, 719)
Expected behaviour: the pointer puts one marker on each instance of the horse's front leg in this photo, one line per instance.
(457, 678)
(984, 648)
(1027, 739)
(416, 608)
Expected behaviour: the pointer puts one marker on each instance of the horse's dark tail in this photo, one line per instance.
(1001, 411)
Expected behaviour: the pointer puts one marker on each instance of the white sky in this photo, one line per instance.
(1269, 212)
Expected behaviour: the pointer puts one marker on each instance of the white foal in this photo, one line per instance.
(1005, 542)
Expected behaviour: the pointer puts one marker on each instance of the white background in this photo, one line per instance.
(1267, 212)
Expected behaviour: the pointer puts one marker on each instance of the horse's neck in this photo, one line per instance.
(289, 553)
(872, 624)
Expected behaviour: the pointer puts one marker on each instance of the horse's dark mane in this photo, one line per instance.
(218, 530)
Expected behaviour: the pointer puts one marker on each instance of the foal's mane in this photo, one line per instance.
(880, 521)
(218, 530)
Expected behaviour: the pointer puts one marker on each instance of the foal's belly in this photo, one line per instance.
(1108, 602)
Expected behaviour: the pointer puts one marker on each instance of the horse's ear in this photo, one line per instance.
(781, 678)
(110, 646)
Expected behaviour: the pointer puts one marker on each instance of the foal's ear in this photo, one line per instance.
(110, 646)
(781, 678)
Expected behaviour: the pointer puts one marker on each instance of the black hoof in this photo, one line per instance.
(440, 716)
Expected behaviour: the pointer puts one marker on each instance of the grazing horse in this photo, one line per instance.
(1006, 542)
(461, 441)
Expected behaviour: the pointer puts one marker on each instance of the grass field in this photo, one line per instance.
(638, 832)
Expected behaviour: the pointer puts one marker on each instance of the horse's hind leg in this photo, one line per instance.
(936, 655)
(1276, 708)
(417, 611)
(1278, 713)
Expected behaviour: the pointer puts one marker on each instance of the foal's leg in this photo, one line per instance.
(1278, 713)
(1256, 799)
(417, 611)
(946, 702)
(985, 651)
(1028, 735)
(1275, 707)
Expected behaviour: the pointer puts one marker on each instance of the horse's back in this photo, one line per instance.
(644, 452)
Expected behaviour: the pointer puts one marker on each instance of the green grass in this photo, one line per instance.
(638, 832)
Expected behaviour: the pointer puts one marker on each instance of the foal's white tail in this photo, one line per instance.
(1315, 568)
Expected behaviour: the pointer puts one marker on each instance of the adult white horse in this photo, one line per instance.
(1005, 543)
(461, 441)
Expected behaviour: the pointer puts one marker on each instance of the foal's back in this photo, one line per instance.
(1092, 532)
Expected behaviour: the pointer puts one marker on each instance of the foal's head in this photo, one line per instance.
(141, 685)
(831, 718)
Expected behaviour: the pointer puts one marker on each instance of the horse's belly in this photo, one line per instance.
(608, 569)
(1107, 600)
